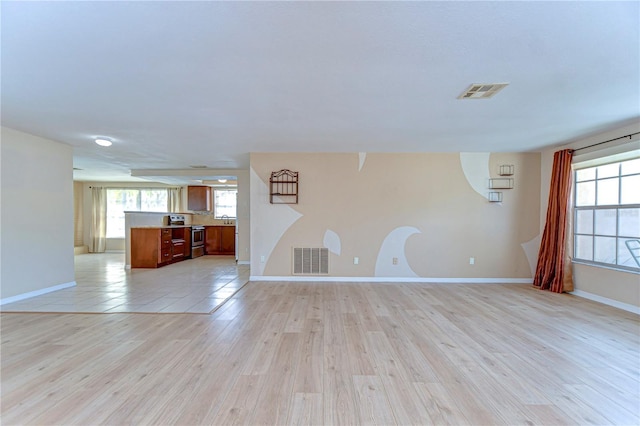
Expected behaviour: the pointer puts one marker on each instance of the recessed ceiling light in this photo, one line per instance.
(103, 142)
(222, 180)
(482, 90)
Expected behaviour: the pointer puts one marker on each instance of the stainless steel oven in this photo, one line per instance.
(197, 241)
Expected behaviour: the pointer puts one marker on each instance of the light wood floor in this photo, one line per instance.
(339, 353)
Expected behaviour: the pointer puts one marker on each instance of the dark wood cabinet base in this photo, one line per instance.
(220, 240)
(156, 247)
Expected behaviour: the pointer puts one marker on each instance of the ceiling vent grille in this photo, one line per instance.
(310, 261)
(482, 90)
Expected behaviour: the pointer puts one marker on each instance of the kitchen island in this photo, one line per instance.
(156, 246)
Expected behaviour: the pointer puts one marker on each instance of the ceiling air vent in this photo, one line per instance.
(482, 90)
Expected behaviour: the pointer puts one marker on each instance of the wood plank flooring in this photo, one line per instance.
(330, 353)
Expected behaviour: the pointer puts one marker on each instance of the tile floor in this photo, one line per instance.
(103, 285)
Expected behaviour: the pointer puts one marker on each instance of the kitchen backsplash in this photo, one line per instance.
(208, 219)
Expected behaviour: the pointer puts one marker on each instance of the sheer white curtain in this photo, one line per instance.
(98, 229)
(175, 200)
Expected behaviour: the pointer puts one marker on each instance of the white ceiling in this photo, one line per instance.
(176, 84)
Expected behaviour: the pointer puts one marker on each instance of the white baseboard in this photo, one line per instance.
(127, 266)
(81, 250)
(296, 278)
(620, 305)
(244, 262)
(36, 293)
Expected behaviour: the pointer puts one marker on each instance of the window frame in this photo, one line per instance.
(594, 208)
(215, 204)
(138, 202)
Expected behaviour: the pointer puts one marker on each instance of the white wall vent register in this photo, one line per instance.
(310, 261)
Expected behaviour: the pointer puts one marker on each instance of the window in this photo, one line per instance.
(607, 215)
(125, 199)
(224, 203)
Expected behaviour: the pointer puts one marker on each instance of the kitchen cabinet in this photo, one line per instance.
(180, 243)
(199, 198)
(155, 247)
(228, 240)
(220, 240)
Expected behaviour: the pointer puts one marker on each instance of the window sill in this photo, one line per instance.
(635, 271)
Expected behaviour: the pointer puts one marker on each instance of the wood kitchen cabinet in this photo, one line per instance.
(155, 247)
(180, 243)
(220, 240)
(199, 198)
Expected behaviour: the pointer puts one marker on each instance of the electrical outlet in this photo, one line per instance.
(395, 260)
(356, 260)
(472, 261)
(261, 259)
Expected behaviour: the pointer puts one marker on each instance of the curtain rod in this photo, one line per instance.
(610, 140)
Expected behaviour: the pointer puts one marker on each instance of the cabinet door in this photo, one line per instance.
(213, 239)
(187, 243)
(228, 240)
(199, 198)
(146, 251)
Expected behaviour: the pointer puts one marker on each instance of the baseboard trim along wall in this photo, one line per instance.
(394, 279)
(81, 250)
(36, 293)
(620, 305)
(244, 262)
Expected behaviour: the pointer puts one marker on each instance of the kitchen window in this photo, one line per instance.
(131, 199)
(225, 201)
(607, 215)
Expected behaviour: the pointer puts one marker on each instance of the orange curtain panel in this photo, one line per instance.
(553, 271)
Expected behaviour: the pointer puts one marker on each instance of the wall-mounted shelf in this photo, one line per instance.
(495, 197)
(283, 187)
(506, 170)
(501, 183)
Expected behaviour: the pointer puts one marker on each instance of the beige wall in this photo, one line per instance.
(619, 286)
(420, 208)
(36, 214)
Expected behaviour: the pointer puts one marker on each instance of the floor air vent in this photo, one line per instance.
(310, 261)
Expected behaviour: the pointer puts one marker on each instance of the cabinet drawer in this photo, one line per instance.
(165, 255)
(165, 235)
(177, 249)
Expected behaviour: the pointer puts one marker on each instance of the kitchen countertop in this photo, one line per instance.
(161, 226)
(175, 226)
